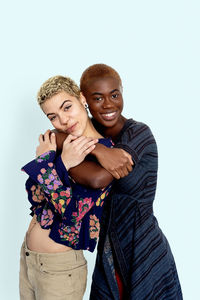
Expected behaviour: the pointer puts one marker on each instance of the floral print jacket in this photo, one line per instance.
(70, 210)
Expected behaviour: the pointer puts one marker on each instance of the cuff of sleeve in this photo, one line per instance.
(62, 171)
(129, 150)
(33, 168)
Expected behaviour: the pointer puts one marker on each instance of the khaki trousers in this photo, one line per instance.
(52, 276)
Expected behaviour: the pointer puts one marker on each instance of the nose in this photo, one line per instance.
(64, 119)
(107, 103)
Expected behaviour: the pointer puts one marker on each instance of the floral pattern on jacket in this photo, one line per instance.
(70, 210)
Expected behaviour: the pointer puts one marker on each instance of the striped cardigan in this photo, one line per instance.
(130, 238)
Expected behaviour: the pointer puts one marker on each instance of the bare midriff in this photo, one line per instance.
(38, 239)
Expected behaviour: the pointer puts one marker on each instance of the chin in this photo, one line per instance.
(108, 123)
(77, 134)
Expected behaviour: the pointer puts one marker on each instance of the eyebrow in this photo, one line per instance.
(97, 93)
(59, 107)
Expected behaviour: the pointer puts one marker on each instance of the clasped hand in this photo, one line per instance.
(74, 149)
(116, 161)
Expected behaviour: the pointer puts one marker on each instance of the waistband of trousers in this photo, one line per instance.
(71, 256)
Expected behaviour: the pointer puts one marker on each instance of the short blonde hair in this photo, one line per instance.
(57, 84)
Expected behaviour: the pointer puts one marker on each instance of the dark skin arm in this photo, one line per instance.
(115, 163)
(91, 174)
(87, 173)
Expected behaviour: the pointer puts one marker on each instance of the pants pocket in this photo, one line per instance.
(68, 279)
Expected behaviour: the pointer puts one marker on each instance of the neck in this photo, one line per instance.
(90, 131)
(114, 131)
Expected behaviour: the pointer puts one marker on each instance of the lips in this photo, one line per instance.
(109, 116)
(71, 128)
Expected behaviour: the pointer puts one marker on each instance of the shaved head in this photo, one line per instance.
(95, 72)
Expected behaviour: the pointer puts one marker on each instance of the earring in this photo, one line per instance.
(86, 106)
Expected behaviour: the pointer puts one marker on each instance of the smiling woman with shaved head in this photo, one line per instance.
(134, 260)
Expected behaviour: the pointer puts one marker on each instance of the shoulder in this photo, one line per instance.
(137, 139)
(135, 130)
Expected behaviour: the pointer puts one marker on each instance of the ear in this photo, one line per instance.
(83, 99)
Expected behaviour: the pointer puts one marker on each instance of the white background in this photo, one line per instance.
(155, 47)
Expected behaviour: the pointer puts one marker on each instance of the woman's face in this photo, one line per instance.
(66, 113)
(104, 98)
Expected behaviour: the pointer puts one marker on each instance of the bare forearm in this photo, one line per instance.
(87, 173)
(91, 174)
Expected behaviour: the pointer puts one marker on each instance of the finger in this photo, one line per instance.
(114, 174)
(47, 135)
(88, 150)
(53, 138)
(129, 167)
(124, 172)
(129, 158)
(120, 172)
(69, 138)
(79, 141)
(41, 138)
(131, 161)
(87, 145)
(82, 142)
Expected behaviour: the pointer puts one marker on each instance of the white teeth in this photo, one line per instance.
(109, 115)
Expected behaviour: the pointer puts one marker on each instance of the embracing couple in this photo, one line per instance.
(94, 180)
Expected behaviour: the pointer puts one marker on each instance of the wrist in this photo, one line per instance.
(98, 150)
(65, 163)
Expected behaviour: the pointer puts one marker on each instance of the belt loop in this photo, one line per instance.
(38, 259)
(76, 255)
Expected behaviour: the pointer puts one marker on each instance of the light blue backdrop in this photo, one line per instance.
(154, 45)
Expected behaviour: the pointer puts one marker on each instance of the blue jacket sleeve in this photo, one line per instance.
(42, 171)
(138, 141)
(36, 195)
(69, 200)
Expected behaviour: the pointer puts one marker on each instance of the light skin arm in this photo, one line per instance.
(74, 149)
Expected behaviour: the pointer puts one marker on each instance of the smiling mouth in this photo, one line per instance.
(109, 116)
(71, 129)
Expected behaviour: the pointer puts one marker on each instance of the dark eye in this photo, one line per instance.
(98, 98)
(114, 96)
(67, 107)
(52, 118)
